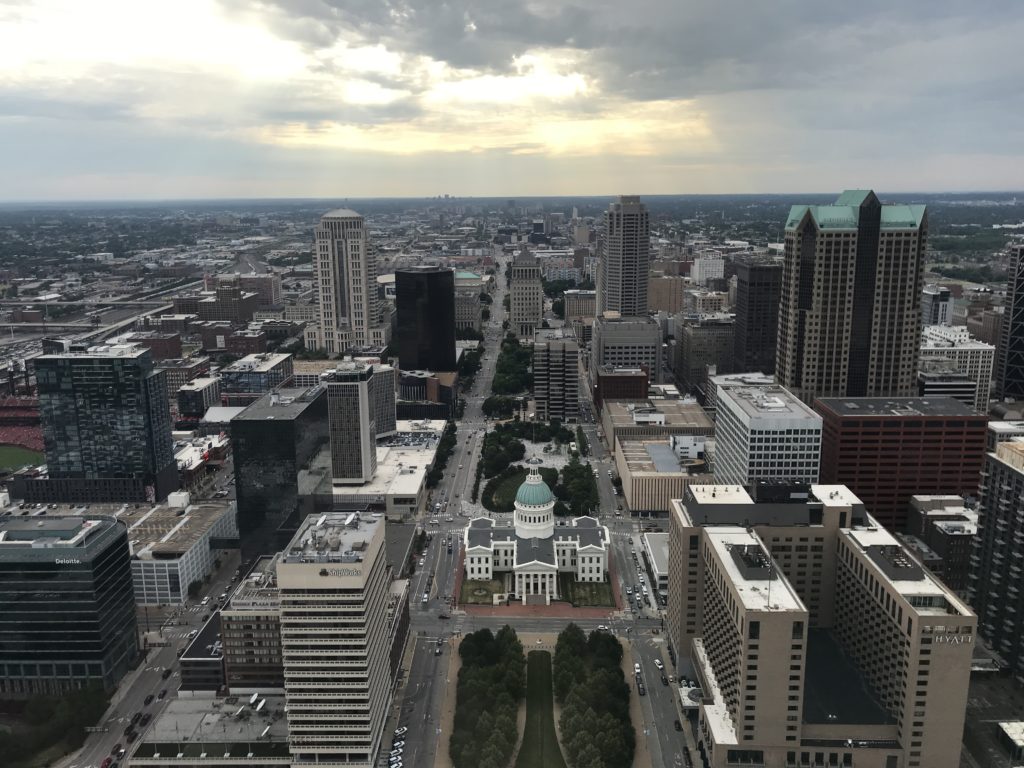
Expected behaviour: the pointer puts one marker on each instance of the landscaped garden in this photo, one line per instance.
(540, 742)
(585, 594)
(480, 592)
(574, 488)
(590, 686)
(488, 694)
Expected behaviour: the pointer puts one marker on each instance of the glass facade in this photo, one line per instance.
(425, 302)
(105, 414)
(67, 610)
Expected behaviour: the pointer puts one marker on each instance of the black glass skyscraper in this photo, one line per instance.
(67, 608)
(1010, 364)
(425, 301)
(106, 425)
(758, 293)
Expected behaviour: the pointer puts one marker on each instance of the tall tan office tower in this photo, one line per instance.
(346, 277)
(850, 320)
(333, 581)
(625, 258)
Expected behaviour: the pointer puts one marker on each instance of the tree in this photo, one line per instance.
(485, 314)
(558, 308)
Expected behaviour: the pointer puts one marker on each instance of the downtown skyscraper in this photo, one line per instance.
(625, 258)
(346, 276)
(850, 318)
(1010, 362)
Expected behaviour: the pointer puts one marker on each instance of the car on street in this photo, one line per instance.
(166, 673)
(398, 744)
(401, 731)
(636, 668)
(658, 664)
(640, 689)
(162, 694)
(148, 700)
(106, 763)
(677, 725)
(602, 628)
(117, 750)
(629, 590)
(664, 680)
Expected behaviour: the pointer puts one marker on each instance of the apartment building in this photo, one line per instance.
(334, 583)
(997, 563)
(556, 376)
(817, 639)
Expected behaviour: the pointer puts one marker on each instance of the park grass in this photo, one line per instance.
(494, 587)
(585, 594)
(16, 457)
(540, 742)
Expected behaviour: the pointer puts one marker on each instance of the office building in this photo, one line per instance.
(889, 449)
(355, 397)
(180, 372)
(987, 325)
(333, 583)
(936, 305)
(175, 546)
(764, 434)
(526, 296)
(346, 278)
(703, 341)
(246, 380)
(653, 472)
(997, 563)
(707, 267)
(627, 342)
(468, 306)
(699, 301)
(850, 316)
(195, 396)
(625, 258)
(612, 383)
(425, 303)
(1010, 370)
(940, 377)
(817, 639)
(969, 355)
(106, 427)
(1002, 432)
(653, 419)
(67, 615)
(556, 376)
(758, 294)
(579, 304)
(665, 293)
(273, 441)
(251, 632)
(266, 286)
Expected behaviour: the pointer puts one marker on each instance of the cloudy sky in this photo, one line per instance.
(126, 99)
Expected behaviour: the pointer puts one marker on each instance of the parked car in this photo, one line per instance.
(677, 725)
(148, 700)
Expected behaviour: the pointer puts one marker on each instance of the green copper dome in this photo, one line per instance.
(534, 492)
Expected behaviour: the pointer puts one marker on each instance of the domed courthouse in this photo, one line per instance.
(530, 555)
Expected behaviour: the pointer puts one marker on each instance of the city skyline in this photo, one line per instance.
(210, 99)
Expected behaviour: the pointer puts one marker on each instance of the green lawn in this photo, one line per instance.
(585, 594)
(540, 743)
(15, 457)
(480, 592)
(503, 496)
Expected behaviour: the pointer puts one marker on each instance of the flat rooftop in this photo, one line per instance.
(748, 566)
(899, 568)
(257, 363)
(834, 689)
(257, 591)
(671, 413)
(197, 385)
(333, 537)
(657, 456)
(657, 549)
(161, 532)
(49, 532)
(283, 404)
(761, 401)
(897, 406)
(720, 494)
(217, 728)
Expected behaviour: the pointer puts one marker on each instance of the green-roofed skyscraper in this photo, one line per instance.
(850, 319)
